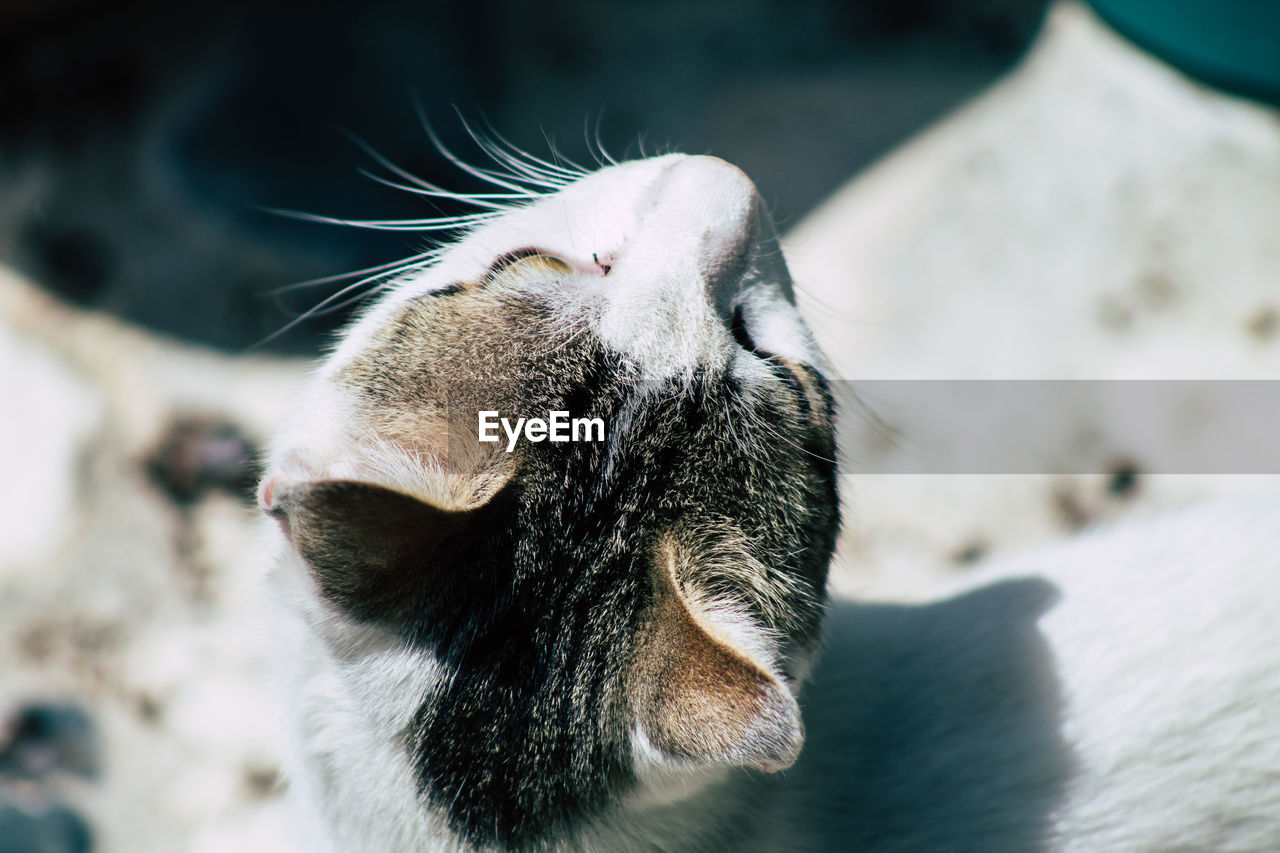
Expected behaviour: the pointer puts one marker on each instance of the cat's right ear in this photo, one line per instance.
(702, 699)
(370, 549)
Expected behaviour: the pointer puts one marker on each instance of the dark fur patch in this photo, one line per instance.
(540, 602)
(374, 551)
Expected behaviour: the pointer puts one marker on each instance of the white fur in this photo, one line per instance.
(1165, 646)
(343, 719)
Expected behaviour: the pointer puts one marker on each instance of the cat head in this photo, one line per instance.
(589, 616)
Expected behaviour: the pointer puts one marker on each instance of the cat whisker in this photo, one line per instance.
(599, 144)
(383, 274)
(423, 187)
(518, 169)
(492, 201)
(763, 424)
(586, 135)
(487, 175)
(849, 400)
(439, 223)
(352, 300)
(325, 306)
(804, 294)
(390, 268)
(555, 174)
(569, 173)
(561, 157)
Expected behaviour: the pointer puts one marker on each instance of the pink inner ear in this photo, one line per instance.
(266, 490)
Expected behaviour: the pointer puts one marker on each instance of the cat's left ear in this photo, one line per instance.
(701, 698)
(369, 548)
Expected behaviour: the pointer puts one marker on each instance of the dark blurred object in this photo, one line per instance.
(41, 743)
(43, 739)
(199, 455)
(51, 829)
(139, 138)
(1231, 44)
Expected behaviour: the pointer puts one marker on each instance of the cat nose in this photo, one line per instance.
(720, 211)
(693, 247)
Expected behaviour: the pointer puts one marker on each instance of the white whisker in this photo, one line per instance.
(761, 422)
(390, 268)
(586, 136)
(324, 306)
(492, 201)
(555, 174)
(559, 157)
(486, 175)
(439, 223)
(520, 170)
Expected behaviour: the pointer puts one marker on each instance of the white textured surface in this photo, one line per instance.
(50, 413)
(111, 597)
(1094, 216)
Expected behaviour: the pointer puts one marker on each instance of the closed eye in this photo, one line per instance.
(526, 262)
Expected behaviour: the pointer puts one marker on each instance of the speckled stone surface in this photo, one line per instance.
(1095, 215)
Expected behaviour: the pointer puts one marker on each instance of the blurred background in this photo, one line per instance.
(137, 141)
(969, 189)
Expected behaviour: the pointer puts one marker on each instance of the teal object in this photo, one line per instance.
(1231, 44)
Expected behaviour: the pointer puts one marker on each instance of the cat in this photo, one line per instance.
(540, 644)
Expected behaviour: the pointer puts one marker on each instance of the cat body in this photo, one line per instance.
(601, 645)
(1063, 700)
(1119, 691)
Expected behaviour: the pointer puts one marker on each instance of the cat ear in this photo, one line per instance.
(368, 547)
(702, 698)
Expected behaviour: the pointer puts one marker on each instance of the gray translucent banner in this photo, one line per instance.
(1059, 426)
